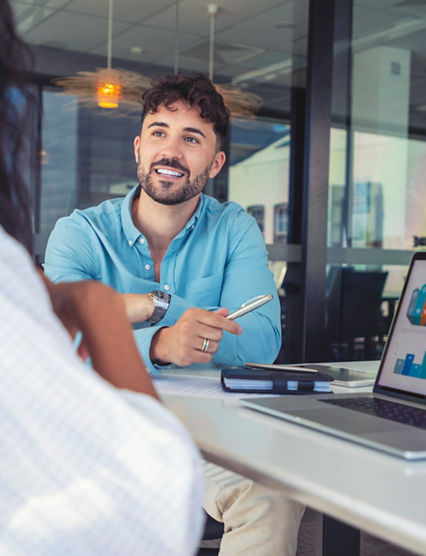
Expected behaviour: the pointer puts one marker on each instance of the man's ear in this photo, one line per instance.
(136, 144)
(218, 162)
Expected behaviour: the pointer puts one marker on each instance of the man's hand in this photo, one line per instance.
(139, 306)
(182, 343)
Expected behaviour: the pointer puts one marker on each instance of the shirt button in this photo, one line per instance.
(142, 241)
(147, 266)
(130, 242)
(166, 287)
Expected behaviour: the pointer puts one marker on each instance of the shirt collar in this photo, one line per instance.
(130, 230)
(132, 233)
(190, 225)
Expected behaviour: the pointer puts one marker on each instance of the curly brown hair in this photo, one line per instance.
(17, 108)
(195, 89)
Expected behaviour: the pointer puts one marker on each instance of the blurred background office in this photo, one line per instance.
(332, 167)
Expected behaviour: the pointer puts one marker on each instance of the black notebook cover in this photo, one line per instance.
(244, 379)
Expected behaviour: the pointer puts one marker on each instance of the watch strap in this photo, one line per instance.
(161, 302)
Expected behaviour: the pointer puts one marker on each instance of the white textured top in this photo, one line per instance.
(85, 469)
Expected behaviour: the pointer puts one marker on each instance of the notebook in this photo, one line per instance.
(393, 417)
(245, 379)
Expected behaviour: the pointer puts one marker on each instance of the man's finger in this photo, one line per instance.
(223, 311)
(216, 319)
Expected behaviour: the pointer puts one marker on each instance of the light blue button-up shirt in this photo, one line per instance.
(217, 260)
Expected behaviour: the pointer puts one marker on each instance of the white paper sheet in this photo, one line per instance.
(202, 386)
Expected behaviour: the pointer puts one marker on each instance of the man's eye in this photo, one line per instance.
(191, 139)
(158, 133)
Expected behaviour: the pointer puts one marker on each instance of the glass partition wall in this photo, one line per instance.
(377, 185)
(323, 242)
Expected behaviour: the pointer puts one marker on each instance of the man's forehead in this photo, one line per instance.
(179, 111)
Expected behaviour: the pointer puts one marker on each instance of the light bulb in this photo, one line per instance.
(108, 95)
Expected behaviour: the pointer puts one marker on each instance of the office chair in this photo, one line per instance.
(354, 312)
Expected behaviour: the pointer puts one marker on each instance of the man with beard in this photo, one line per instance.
(183, 260)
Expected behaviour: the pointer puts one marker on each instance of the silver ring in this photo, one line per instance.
(205, 345)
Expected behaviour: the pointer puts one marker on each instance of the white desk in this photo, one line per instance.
(371, 491)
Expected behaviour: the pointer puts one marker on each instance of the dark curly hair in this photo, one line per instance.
(17, 108)
(197, 90)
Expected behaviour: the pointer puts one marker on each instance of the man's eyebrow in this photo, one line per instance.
(195, 130)
(187, 129)
(160, 124)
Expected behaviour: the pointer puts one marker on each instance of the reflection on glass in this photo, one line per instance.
(280, 223)
(258, 213)
(377, 164)
(59, 156)
(377, 188)
(261, 177)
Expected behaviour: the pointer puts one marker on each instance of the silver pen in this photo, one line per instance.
(250, 306)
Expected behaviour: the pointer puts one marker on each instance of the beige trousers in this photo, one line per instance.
(257, 520)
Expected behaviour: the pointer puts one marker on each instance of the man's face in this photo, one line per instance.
(176, 154)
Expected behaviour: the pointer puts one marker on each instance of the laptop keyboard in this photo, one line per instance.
(382, 408)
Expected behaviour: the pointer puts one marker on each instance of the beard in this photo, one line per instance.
(164, 193)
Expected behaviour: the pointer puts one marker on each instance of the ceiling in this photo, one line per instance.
(257, 43)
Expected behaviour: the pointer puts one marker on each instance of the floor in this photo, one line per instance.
(310, 540)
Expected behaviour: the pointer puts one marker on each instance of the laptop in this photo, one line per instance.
(393, 417)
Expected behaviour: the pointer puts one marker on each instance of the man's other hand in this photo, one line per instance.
(182, 343)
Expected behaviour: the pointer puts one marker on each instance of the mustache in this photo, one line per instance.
(171, 163)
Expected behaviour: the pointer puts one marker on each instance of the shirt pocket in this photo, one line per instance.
(204, 292)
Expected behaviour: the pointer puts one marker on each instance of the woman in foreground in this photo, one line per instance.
(91, 462)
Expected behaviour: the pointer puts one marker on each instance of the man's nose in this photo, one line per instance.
(172, 148)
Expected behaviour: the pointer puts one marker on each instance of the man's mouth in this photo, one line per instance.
(168, 173)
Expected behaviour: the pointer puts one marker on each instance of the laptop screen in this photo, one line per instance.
(403, 365)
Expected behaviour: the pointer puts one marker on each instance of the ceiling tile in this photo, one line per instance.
(193, 14)
(226, 71)
(28, 16)
(130, 11)
(19, 7)
(408, 7)
(271, 29)
(71, 31)
(154, 42)
(375, 21)
(184, 64)
(53, 4)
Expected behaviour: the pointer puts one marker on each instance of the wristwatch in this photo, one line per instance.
(161, 302)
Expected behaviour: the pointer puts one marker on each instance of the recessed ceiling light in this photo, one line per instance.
(284, 25)
(270, 76)
(136, 49)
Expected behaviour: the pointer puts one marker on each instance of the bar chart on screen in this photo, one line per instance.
(410, 366)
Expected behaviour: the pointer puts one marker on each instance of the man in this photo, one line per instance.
(183, 260)
(165, 235)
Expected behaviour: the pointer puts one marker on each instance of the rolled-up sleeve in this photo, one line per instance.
(246, 276)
